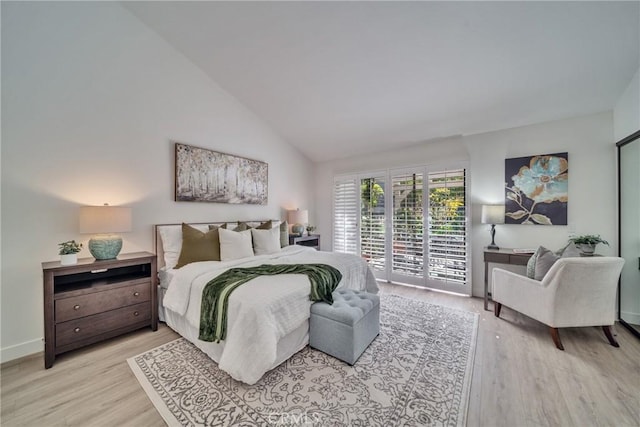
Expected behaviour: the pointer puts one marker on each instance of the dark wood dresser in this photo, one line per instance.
(95, 300)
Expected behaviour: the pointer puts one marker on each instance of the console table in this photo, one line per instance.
(500, 256)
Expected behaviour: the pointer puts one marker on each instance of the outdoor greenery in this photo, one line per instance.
(445, 204)
(370, 192)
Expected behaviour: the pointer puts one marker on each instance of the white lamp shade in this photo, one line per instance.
(493, 214)
(105, 219)
(298, 217)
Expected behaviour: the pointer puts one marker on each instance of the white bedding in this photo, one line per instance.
(262, 311)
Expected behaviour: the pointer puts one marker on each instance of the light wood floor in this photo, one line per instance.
(519, 377)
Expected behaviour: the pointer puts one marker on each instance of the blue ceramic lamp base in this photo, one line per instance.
(297, 229)
(105, 247)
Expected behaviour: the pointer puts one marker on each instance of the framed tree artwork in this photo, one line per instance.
(203, 175)
(536, 189)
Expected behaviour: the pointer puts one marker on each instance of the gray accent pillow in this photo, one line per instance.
(536, 268)
(544, 262)
(531, 264)
(569, 251)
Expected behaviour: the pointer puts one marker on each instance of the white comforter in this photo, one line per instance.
(263, 310)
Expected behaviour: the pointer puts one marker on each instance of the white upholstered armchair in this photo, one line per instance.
(575, 292)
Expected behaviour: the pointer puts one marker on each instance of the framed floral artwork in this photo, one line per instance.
(210, 176)
(536, 189)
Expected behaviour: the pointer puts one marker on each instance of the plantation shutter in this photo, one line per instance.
(408, 228)
(447, 227)
(372, 221)
(345, 215)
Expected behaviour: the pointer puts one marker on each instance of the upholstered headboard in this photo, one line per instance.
(204, 226)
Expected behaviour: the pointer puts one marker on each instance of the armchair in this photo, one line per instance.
(575, 292)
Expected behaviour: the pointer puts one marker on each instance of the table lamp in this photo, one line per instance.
(104, 221)
(493, 214)
(298, 218)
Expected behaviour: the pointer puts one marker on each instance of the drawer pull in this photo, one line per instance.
(135, 313)
(76, 307)
(76, 330)
(136, 294)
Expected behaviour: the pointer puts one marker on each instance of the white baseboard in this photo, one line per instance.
(633, 318)
(20, 350)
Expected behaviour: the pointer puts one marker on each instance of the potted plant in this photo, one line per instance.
(310, 229)
(587, 243)
(69, 252)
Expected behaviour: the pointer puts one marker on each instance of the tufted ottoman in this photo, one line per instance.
(345, 329)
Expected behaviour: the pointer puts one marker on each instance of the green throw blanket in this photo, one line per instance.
(215, 296)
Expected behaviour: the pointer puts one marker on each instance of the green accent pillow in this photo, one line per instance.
(214, 227)
(198, 246)
(265, 226)
(284, 234)
(242, 226)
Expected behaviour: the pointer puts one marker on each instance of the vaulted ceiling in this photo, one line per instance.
(340, 78)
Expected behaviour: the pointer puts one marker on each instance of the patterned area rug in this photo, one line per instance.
(416, 372)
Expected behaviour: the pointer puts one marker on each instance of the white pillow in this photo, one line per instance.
(235, 244)
(266, 241)
(171, 237)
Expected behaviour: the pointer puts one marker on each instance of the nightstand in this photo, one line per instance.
(95, 300)
(312, 241)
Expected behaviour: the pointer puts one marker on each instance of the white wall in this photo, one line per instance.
(592, 183)
(592, 198)
(91, 99)
(626, 115)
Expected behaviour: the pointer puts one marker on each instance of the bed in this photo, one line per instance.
(268, 317)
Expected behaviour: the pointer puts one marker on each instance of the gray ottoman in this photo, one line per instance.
(345, 329)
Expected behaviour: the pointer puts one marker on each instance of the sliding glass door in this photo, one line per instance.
(407, 243)
(411, 226)
(447, 227)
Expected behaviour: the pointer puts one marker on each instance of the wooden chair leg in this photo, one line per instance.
(496, 308)
(555, 335)
(612, 340)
